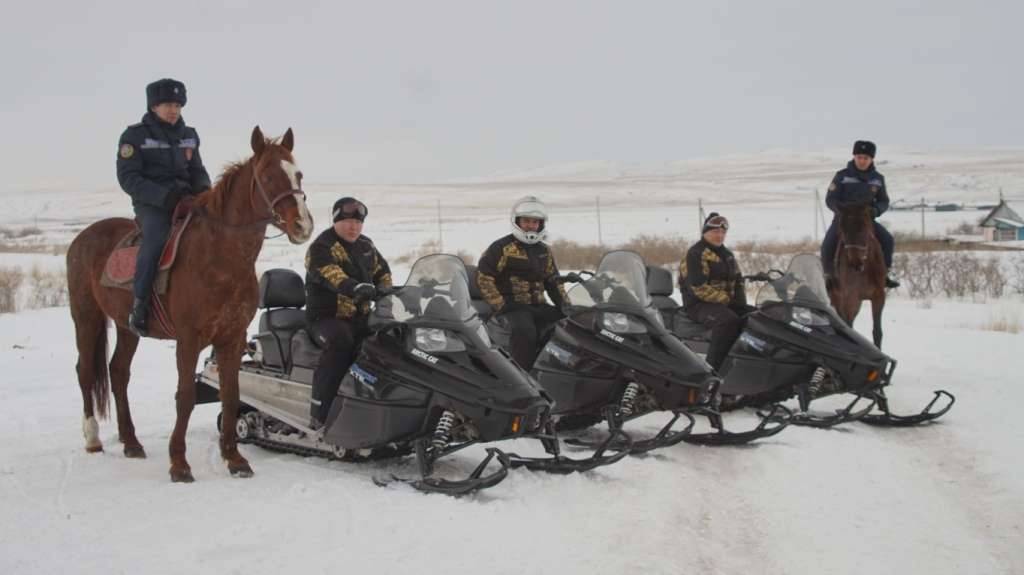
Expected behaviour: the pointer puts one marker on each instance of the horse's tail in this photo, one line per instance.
(100, 379)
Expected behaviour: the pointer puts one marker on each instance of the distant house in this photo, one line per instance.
(1002, 224)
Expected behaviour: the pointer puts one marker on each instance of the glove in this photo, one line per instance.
(363, 292)
(172, 198)
(511, 307)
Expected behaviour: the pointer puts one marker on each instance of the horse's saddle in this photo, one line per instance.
(120, 269)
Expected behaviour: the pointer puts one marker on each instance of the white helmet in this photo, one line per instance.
(529, 207)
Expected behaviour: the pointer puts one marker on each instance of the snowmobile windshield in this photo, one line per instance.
(620, 281)
(437, 289)
(802, 284)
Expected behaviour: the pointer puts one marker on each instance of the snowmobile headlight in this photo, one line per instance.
(622, 323)
(562, 355)
(810, 317)
(435, 340)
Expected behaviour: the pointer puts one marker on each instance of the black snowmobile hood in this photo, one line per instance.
(837, 341)
(480, 374)
(656, 353)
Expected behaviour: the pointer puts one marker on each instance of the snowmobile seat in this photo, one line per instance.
(483, 309)
(305, 356)
(685, 328)
(660, 288)
(282, 296)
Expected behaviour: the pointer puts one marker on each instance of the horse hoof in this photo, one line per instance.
(243, 470)
(94, 449)
(182, 476)
(134, 452)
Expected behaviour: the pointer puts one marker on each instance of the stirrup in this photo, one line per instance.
(133, 318)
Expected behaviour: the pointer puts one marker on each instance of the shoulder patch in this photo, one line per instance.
(126, 151)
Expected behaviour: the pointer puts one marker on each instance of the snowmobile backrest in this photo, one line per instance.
(483, 309)
(277, 327)
(281, 287)
(474, 287)
(659, 281)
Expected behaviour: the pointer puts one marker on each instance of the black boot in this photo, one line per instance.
(891, 281)
(137, 318)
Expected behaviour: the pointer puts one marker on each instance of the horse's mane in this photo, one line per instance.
(213, 200)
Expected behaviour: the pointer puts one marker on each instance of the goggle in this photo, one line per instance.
(350, 210)
(717, 222)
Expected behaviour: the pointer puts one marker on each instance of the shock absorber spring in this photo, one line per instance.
(814, 386)
(442, 433)
(628, 397)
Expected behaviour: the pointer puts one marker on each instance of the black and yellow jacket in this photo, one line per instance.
(333, 269)
(710, 274)
(511, 272)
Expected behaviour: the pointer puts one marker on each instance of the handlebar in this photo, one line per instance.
(770, 275)
(575, 277)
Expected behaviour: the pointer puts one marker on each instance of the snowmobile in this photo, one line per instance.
(795, 345)
(427, 380)
(611, 358)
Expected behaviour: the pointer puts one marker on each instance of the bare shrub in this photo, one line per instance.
(466, 257)
(657, 250)
(433, 247)
(426, 248)
(803, 246)
(1004, 324)
(954, 274)
(570, 255)
(755, 262)
(993, 278)
(965, 228)
(13, 234)
(49, 288)
(1017, 273)
(10, 281)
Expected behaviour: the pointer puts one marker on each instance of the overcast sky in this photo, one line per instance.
(427, 91)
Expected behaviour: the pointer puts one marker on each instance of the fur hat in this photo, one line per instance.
(864, 147)
(165, 90)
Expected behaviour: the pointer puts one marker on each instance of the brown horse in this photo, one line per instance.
(211, 298)
(860, 268)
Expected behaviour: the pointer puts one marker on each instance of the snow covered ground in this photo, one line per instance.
(944, 498)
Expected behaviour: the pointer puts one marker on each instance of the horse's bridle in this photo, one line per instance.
(274, 217)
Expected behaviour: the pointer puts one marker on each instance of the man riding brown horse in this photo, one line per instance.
(158, 165)
(211, 298)
(858, 182)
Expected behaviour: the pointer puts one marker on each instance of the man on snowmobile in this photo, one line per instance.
(712, 288)
(857, 180)
(344, 270)
(513, 275)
